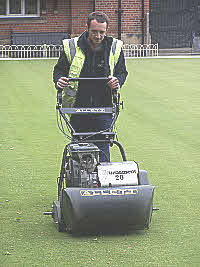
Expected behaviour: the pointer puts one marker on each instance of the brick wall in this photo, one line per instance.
(61, 17)
(80, 11)
(131, 25)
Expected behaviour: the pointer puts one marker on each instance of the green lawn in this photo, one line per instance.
(159, 128)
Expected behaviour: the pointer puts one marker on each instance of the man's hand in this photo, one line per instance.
(62, 82)
(113, 83)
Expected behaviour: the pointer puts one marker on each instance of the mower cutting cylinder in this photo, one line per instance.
(126, 207)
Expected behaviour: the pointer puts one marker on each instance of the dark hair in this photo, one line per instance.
(100, 17)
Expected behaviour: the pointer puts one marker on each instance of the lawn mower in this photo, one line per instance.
(94, 195)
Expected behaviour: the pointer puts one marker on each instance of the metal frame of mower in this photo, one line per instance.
(92, 208)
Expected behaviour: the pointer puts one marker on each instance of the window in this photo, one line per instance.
(2, 7)
(19, 8)
(43, 6)
(15, 7)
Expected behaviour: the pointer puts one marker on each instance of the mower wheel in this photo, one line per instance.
(57, 216)
(143, 177)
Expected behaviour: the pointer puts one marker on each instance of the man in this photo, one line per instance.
(93, 54)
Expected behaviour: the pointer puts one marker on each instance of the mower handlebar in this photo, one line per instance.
(83, 79)
(88, 78)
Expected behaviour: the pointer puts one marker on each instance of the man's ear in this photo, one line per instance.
(107, 29)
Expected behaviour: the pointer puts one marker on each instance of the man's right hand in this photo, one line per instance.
(62, 82)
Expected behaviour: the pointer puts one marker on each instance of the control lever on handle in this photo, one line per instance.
(59, 98)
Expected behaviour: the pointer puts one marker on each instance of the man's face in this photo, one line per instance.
(96, 33)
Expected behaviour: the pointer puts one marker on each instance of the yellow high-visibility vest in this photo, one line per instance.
(76, 58)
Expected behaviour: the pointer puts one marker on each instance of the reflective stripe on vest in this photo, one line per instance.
(114, 54)
(76, 58)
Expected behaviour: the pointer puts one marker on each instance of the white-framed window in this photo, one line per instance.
(19, 8)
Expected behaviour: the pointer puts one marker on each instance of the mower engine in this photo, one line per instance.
(81, 168)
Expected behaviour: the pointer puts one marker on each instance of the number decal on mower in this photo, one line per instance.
(119, 177)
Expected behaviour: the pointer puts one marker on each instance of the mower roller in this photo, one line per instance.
(94, 195)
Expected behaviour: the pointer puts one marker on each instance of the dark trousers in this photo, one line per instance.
(94, 123)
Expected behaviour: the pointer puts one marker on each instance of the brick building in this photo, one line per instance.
(42, 21)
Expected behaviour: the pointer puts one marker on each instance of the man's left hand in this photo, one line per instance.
(113, 83)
